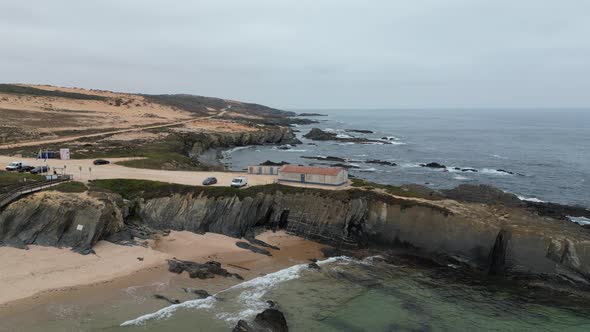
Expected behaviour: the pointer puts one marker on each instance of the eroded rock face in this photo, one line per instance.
(496, 239)
(197, 143)
(61, 220)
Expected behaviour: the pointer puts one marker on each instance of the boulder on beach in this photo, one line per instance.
(254, 249)
(201, 271)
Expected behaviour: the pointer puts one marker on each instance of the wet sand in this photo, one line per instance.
(54, 284)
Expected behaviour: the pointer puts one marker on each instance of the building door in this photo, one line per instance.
(272, 171)
(302, 178)
(259, 170)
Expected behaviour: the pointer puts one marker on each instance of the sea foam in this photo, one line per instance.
(251, 295)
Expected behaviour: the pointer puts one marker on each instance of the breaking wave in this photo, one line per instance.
(250, 295)
(530, 199)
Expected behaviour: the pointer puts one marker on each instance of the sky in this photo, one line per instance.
(296, 54)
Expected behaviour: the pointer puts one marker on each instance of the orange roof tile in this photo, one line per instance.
(311, 170)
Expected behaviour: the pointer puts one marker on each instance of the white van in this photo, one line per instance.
(239, 182)
(15, 166)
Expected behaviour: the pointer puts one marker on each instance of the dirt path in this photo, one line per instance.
(121, 131)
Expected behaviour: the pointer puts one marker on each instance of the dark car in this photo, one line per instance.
(40, 169)
(101, 162)
(209, 181)
(25, 168)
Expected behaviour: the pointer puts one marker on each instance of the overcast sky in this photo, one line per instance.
(309, 53)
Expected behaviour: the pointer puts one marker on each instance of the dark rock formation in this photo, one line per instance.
(433, 165)
(201, 271)
(482, 194)
(313, 266)
(61, 220)
(272, 163)
(311, 114)
(505, 171)
(197, 143)
(328, 158)
(201, 293)
(498, 254)
(162, 297)
(317, 134)
(380, 162)
(557, 211)
(254, 249)
(270, 320)
(360, 131)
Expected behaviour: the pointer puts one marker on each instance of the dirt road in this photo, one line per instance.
(121, 131)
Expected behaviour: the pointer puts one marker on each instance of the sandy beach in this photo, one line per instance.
(43, 276)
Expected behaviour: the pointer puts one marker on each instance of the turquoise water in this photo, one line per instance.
(349, 295)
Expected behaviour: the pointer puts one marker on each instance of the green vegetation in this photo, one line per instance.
(71, 187)
(26, 90)
(131, 189)
(190, 103)
(394, 190)
(13, 178)
(164, 154)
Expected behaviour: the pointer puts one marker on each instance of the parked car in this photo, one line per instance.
(15, 166)
(25, 168)
(101, 162)
(209, 181)
(239, 182)
(40, 169)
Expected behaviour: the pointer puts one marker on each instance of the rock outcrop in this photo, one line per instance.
(201, 271)
(500, 237)
(270, 320)
(62, 220)
(197, 143)
(496, 239)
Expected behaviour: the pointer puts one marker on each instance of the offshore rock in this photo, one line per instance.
(270, 320)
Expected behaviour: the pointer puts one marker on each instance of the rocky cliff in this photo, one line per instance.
(61, 220)
(197, 143)
(495, 239)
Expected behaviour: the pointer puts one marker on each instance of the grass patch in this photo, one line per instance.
(132, 189)
(71, 187)
(30, 91)
(394, 190)
(163, 154)
(13, 178)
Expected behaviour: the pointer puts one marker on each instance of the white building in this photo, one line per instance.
(265, 170)
(330, 176)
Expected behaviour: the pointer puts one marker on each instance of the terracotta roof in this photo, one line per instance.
(311, 170)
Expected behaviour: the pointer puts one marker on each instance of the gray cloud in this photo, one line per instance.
(297, 54)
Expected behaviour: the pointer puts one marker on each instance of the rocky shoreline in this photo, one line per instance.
(484, 229)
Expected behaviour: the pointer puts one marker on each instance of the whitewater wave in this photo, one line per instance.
(499, 156)
(580, 220)
(530, 199)
(291, 150)
(461, 178)
(372, 169)
(491, 171)
(251, 295)
(229, 152)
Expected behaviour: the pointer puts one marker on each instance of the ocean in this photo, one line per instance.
(366, 295)
(548, 150)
